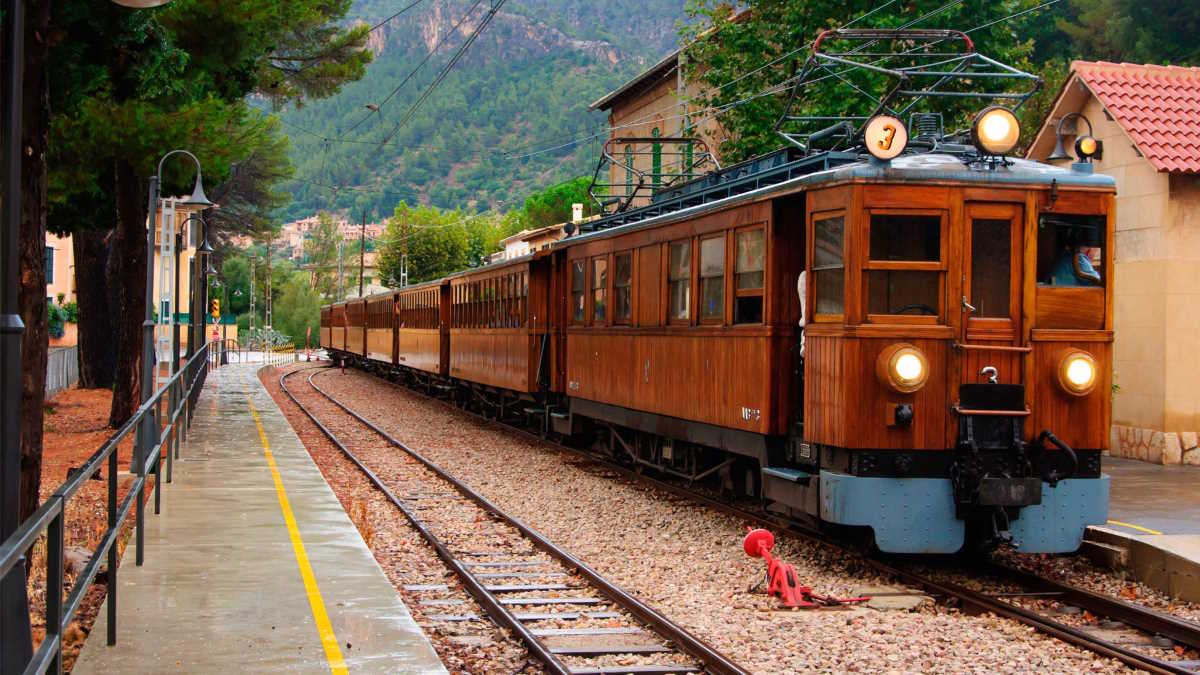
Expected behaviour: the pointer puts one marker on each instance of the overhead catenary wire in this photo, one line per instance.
(718, 110)
(441, 40)
(487, 19)
(402, 10)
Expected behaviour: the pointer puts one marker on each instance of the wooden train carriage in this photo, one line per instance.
(325, 335)
(337, 323)
(380, 340)
(422, 336)
(356, 334)
(499, 335)
(689, 319)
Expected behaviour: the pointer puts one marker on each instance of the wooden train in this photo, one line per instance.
(917, 346)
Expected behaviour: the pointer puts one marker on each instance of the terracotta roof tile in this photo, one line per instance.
(1158, 106)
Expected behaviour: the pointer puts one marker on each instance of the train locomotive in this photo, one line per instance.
(911, 342)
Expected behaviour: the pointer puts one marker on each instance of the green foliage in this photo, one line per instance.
(72, 310)
(235, 271)
(321, 252)
(436, 242)
(779, 29)
(55, 317)
(553, 205)
(298, 308)
(1137, 31)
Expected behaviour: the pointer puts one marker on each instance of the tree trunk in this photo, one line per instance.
(35, 125)
(96, 337)
(127, 281)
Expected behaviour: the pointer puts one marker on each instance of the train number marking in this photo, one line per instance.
(573, 385)
(751, 414)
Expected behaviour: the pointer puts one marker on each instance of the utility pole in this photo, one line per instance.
(362, 247)
(341, 279)
(252, 258)
(270, 237)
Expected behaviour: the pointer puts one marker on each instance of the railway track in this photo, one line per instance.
(1133, 634)
(520, 579)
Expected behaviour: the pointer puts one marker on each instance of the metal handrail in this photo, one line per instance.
(179, 394)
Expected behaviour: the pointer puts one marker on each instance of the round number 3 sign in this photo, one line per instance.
(885, 136)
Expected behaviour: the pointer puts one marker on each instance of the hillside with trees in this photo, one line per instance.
(524, 85)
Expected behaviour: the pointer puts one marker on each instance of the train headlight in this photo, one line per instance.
(1077, 373)
(902, 367)
(996, 131)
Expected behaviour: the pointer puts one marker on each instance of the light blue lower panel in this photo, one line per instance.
(1057, 524)
(908, 515)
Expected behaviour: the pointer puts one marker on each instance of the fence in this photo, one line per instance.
(160, 424)
(62, 369)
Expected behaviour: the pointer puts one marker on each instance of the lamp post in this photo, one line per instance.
(148, 430)
(16, 643)
(196, 309)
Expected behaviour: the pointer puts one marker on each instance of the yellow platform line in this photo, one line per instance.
(1131, 526)
(333, 653)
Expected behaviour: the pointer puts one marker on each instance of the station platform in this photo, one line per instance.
(253, 565)
(1153, 528)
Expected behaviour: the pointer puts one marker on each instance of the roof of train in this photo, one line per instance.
(913, 168)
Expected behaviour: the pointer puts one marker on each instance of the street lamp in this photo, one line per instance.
(16, 644)
(196, 309)
(149, 427)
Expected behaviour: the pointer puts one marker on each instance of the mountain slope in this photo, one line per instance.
(524, 85)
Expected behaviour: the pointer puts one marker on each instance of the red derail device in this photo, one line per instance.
(781, 577)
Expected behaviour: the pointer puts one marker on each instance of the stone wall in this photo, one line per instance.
(1157, 447)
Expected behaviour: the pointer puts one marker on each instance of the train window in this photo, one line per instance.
(577, 291)
(599, 290)
(905, 265)
(712, 278)
(906, 237)
(829, 266)
(748, 274)
(1070, 250)
(902, 292)
(679, 281)
(623, 287)
(991, 267)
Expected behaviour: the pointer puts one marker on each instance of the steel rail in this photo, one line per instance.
(1141, 618)
(683, 641)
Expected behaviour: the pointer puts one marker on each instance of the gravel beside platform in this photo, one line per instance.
(686, 560)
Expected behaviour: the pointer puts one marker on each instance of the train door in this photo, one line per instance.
(989, 341)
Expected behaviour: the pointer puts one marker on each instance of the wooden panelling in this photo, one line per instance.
(1067, 307)
(420, 348)
(354, 340)
(722, 378)
(497, 357)
(338, 339)
(326, 336)
(647, 286)
(379, 344)
(847, 406)
(1082, 422)
(1006, 363)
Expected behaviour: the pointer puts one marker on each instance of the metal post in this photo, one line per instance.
(362, 255)
(270, 238)
(252, 294)
(16, 643)
(146, 429)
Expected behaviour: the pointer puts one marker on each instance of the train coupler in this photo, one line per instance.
(782, 581)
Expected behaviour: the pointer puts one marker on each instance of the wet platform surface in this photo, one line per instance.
(1153, 527)
(253, 565)
(1150, 499)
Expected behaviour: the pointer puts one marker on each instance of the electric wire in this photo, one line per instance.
(441, 40)
(402, 10)
(487, 19)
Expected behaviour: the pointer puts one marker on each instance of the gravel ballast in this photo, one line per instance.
(686, 560)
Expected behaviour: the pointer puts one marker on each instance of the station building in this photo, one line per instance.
(1147, 118)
